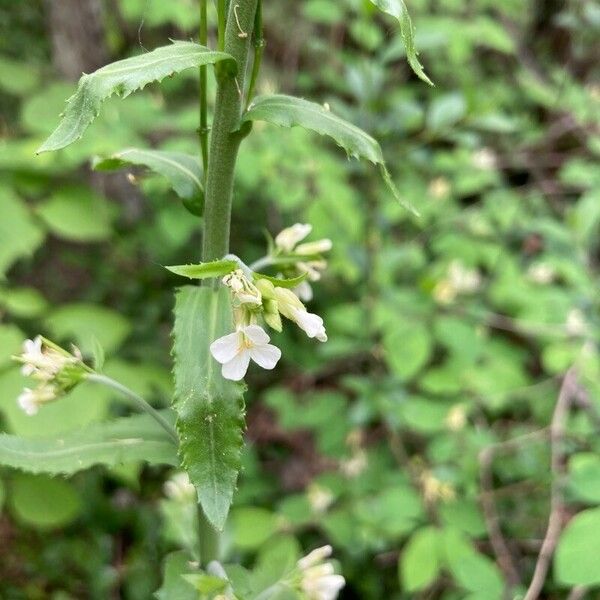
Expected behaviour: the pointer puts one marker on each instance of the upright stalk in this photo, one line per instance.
(225, 137)
(224, 145)
(203, 133)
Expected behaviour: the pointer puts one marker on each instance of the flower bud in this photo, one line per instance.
(317, 247)
(287, 239)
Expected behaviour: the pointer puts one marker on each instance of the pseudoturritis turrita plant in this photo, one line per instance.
(221, 326)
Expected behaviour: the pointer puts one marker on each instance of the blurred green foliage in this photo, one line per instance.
(449, 333)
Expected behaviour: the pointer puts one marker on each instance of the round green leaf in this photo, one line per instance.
(407, 348)
(77, 214)
(252, 526)
(420, 560)
(576, 560)
(43, 502)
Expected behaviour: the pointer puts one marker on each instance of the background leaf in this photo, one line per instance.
(210, 409)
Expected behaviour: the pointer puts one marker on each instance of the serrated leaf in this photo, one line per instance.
(210, 408)
(288, 111)
(216, 268)
(111, 443)
(397, 9)
(124, 77)
(183, 171)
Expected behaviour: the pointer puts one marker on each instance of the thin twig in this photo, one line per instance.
(490, 514)
(568, 392)
(577, 593)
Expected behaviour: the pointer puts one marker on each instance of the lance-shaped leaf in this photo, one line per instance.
(210, 408)
(122, 78)
(124, 440)
(397, 8)
(216, 268)
(288, 111)
(183, 171)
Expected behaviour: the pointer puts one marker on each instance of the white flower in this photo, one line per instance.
(242, 288)
(463, 280)
(235, 350)
(318, 579)
(42, 362)
(31, 400)
(287, 239)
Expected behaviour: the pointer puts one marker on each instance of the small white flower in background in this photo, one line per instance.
(290, 307)
(541, 273)
(30, 400)
(439, 188)
(287, 239)
(463, 280)
(484, 159)
(179, 487)
(318, 579)
(320, 498)
(243, 290)
(576, 324)
(235, 350)
(456, 418)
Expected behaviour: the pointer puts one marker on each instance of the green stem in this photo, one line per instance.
(209, 539)
(136, 401)
(259, 49)
(224, 144)
(225, 136)
(222, 17)
(203, 38)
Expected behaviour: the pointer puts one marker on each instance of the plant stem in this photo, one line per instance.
(209, 539)
(224, 144)
(222, 17)
(259, 49)
(225, 137)
(136, 401)
(203, 38)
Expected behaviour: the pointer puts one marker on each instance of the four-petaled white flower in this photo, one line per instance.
(318, 579)
(30, 400)
(235, 350)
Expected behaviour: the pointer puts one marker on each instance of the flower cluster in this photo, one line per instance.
(317, 578)
(296, 259)
(258, 298)
(56, 371)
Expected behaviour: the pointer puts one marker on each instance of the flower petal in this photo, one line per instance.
(236, 368)
(225, 348)
(256, 334)
(265, 355)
